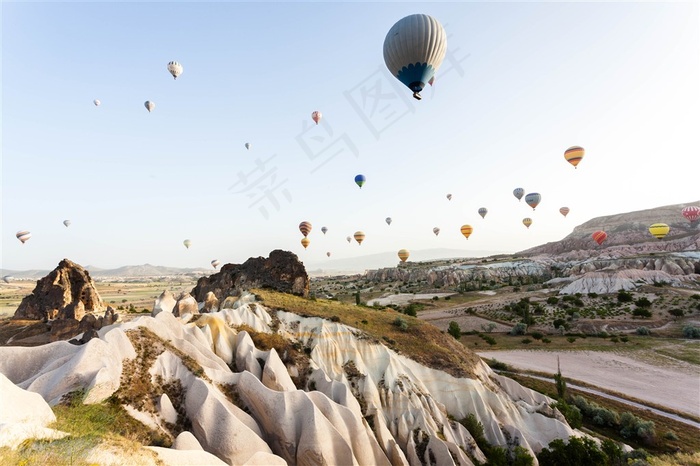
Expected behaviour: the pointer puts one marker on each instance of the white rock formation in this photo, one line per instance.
(165, 302)
(361, 403)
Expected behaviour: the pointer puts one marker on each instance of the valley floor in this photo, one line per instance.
(675, 385)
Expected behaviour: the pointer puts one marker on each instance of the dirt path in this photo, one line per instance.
(676, 387)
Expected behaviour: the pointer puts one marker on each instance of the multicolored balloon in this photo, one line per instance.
(659, 230)
(599, 236)
(519, 193)
(359, 237)
(67, 223)
(414, 49)
(483, 211)
(466, 230)
(324, 230)
(316, 116)
(574, 154)
(533, 199)
(527, 221)
(175, 69)
(564, 211)
(360, 180)
(187, 243)
(23, 236)
(149, 105)
(388, 220)
(403, 254)
(691, 213)
(215, 263)
(305, 242)
(436, 230)
(305, 228)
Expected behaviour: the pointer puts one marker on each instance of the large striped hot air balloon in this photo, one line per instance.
(414, 49)
(691, 213)
(574, 154)
(403, 254)
(533, 199)
(659, 230)
(305, 228)
(175, 69)
(23, 236)
(359, 237)
(564, 211)
(519, 193)
(316, 116)
(149, 105)
(360, 180)
(527, 221)
(466, 230)
(483, 211)
(599, 236)
(436, 230)
(305, 242)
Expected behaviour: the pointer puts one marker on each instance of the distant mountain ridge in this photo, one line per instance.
(144, 270)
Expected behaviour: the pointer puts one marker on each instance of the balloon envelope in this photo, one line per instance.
(449, 197)
(349, 239)
(67, 223)
(7, 278)
(533, 199)
(96, 102)
(599, 236)
(691, 213)
(215, 263)
(328, 254)
(305, 228)
(149, 105)
(305, 241)
(414, 49)
(527, 221)
(316, 116)
(436, 230)
(519, 193)
(403, 254)
(388, 220)
(659, 230)
(360, 180)
(175, 69)
(247, 145)
(574, 154)
(564, 211)
(324, 230)
(359, 237)
(466, 230)
(483, 211)
(187, 243)
(23, 236)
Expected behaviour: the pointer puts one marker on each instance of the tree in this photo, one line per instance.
(560, 382)
(454, 330)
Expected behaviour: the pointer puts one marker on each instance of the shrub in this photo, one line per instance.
(624, 339)
(519, 329)
(546, 340)
(559, 323)
(643, 331)
(643, 302)
(526, 341)
(577, 452)
(624, 297)
(571, 413)
(401, 323)
(454, 330)
(570, 339)
(552, 300)
(691, 332)
(537, 335)
(676, 312)
(641, 312)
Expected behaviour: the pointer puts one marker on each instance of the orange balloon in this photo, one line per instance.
(466, 230)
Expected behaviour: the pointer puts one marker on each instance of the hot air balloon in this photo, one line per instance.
(519, 193)
(436, 230)
(316, 116)
(599, 236)
(96, 102)
(414, 48)
(149, 106)
(328, 254)
(7, 278)
(691, 213)
(324, 230)
(360, 180)
(533, 199)
(564, 211)
(659, 230)
(359, 237)
(305, 228)
(388, 220)
(349, 238)
(187, 243)
(67, 223)
(573, 155)
(466, 230)
(215, 263)
(305, 241)
(483, 211)
(403, 254)
(175, 69)
(247, 145)
(527, 221)
(23, 236)
(449, 197)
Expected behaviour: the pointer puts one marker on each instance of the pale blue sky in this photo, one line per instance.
(521, 83)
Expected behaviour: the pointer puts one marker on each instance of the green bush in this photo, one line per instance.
(641, 312)
(537, 335)
(577, 452)
(552, 300)
(519, 329)
(643, 302)
(624, 297)
(691, 332)
(643, 331)
(676, 312)
(401, 323)
(454, 330)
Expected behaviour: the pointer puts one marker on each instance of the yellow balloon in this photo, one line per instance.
(305, 241)
(527, 221)
(659, 230)
(359, 237)
(466, 230)
(403, 254)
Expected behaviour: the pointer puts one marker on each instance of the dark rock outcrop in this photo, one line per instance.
(66, 292)
(282, 271)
